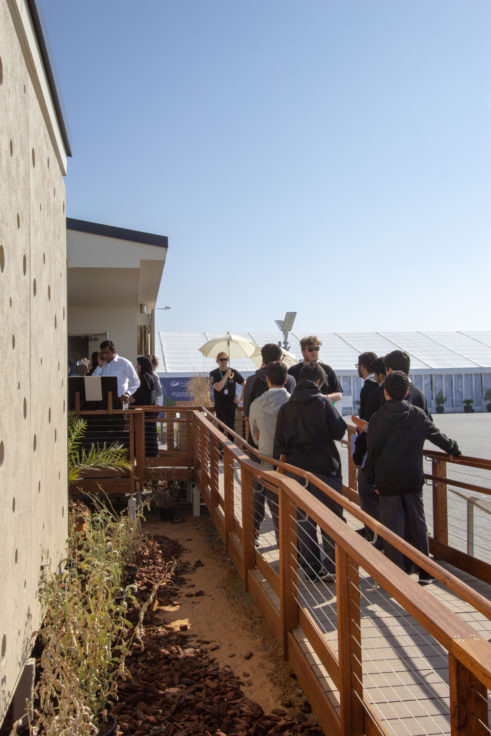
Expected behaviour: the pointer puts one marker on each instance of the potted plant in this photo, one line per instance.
(487, 399)
(468, 408)
(440, 400)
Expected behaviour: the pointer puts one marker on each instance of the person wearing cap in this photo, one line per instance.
(310, 347)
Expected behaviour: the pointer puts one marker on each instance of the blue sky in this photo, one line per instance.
(330, 158)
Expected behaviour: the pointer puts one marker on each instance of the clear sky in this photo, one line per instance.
(330, 157)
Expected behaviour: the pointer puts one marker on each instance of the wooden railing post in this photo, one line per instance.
(214, 479)
(468, 701)
(139, 424)
(440, 511)
(349, 638)
(288, 566)
(247, 501)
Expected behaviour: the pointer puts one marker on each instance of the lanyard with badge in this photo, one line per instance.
(230, 378)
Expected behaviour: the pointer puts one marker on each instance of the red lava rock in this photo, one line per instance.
(177, 688)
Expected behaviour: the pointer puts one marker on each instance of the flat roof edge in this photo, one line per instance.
(42, 39)
(109, 231)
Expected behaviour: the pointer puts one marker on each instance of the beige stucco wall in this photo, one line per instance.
(33, 477)
(119, 322)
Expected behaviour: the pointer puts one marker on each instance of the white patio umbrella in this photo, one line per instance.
(287, 358)
(235, 346)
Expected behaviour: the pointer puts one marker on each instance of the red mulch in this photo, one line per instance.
(177, 687)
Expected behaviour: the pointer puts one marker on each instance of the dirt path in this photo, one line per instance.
(212, 603)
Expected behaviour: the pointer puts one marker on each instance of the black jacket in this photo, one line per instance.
(256, 386)
(306, 428)
(370, 386)
(331, 384)
(395, 439)
(376, 399)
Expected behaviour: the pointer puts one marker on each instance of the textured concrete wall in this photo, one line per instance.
(33, 476)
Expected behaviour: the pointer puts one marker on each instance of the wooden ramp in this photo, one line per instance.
(405, 671)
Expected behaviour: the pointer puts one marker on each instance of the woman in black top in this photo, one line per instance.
(145, 395)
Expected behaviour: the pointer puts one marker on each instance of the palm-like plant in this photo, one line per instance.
(109, 457)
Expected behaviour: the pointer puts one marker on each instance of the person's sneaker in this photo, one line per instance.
(362, 531)
(425, 578)
(310, 576)
(326, 575)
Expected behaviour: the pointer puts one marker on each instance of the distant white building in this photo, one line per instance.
(456, 363)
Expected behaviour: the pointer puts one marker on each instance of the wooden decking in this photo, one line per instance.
(405, 670)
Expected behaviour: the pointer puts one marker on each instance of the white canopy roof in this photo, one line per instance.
(178, 351)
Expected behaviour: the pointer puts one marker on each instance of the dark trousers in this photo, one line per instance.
(308, 550)
(369, 500)
(226, 413)
(261, 495)
(405, 515)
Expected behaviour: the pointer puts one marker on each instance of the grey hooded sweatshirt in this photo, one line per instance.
(262, 418)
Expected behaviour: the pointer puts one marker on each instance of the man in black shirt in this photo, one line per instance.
(224, 381)
(310, 347)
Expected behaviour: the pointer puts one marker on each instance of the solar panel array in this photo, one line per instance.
(178, 352)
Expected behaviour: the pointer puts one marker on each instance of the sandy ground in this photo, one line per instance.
(217, 610)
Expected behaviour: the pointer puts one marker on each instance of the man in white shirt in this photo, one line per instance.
(122, 368)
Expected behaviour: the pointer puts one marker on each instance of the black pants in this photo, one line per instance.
(405, 515)
(225, 412)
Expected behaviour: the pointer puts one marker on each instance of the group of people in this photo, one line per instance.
(140, 387)
(293, 417)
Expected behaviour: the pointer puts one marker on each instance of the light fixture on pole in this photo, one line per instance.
(285, 325)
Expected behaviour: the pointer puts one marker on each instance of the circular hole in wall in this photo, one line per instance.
(2, 259)
(40, 207)
(34, 287)
(34, 443)
(64, 405)
(56, 322)
(44, 257)
(49, 415)
(24, 264)
(41, 361)
(18, 220)
(3, 651)
(25, 408)
(63, 511)
(63, 208)
(56, 435)
(18, 385)
(54, 191)
(63, 312)
(13, 504)
(49, 293)
(10, 301)
(25, 584)
(48, 162)
(11, 147)
(13, 342)
(1, 71)
(39, 486)
(33, 153)
(16, 556)
(2, 453)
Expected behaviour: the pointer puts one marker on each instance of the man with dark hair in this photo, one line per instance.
(114, 365)
(256, 384)
(307, 426)
(366, 491)
(363, 367)
(262, 422)
(398, 360)
(396, 436)
(310, 347)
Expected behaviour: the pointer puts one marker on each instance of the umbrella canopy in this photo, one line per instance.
(235, 346)
(287, 358)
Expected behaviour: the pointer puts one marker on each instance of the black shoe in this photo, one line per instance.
(378, 543)
(425, 578)
(362, 531)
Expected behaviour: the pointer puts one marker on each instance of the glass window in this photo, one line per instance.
(448, 390)
(437, 385)
(418, 381)
(428, 387)
(478, 388)
(468, 389)
(459, 390)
